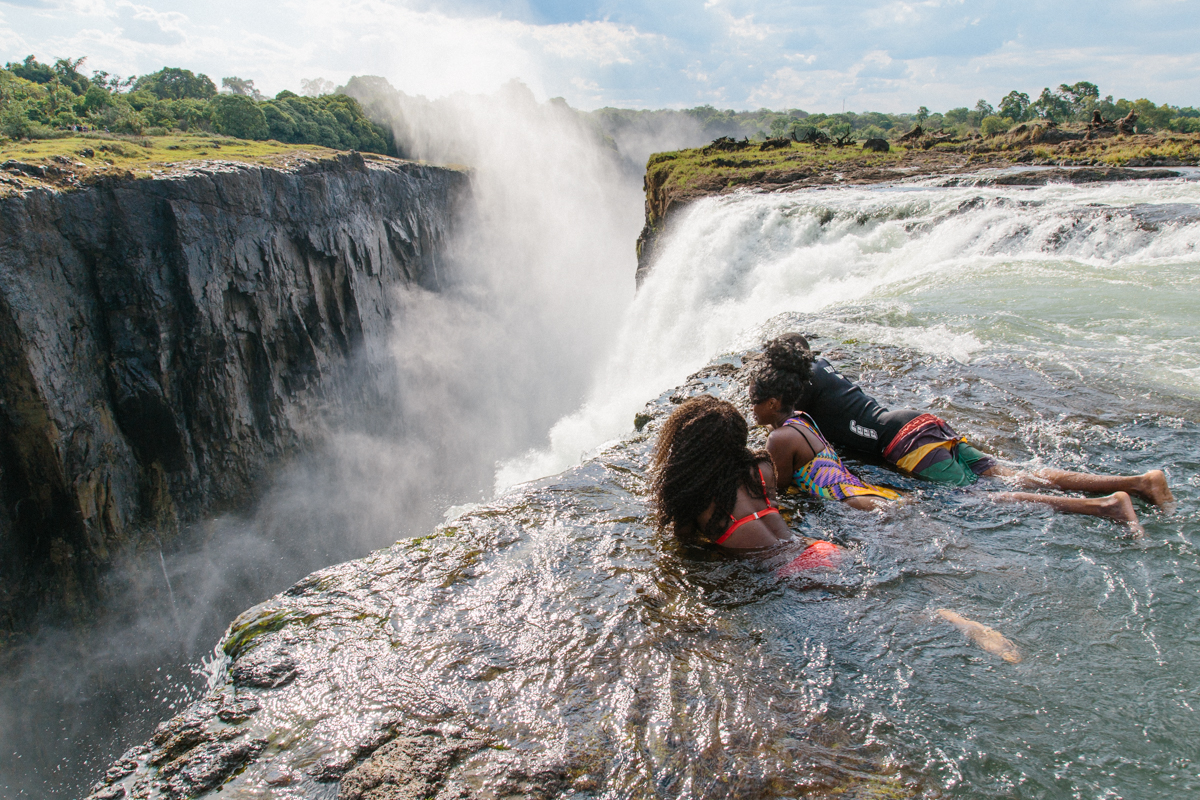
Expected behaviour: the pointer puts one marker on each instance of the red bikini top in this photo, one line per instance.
(737, 523)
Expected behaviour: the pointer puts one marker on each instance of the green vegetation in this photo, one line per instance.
(98, 149)
(730, 164)
(41, 101)
(75, 159)
(683, 169)
(1074, 103)
(723, 166)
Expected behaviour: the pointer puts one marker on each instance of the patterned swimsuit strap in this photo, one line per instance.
(803, 421)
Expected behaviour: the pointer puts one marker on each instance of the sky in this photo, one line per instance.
(861, 55)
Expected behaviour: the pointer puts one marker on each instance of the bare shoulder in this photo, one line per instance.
(784, 436)
(790, 440)
(767, 468)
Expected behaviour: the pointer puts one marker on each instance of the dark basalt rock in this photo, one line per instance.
(408, 767)
(238, 709)
(208, 766)
(1043, 177)
(265, 670)
(162, 341)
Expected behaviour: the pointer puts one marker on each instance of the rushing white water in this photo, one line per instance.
(1104, 278)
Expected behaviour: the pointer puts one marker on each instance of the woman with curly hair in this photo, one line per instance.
(788, 378)
(710, 488)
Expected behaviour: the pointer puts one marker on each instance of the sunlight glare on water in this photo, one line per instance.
(558, 634)
(557, 626)
(1092, 277)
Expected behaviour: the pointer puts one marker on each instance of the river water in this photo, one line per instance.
(1054, 326)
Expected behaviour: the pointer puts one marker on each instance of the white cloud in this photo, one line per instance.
(890, 55)
(147, 26)
(746, 28)
(598, 43)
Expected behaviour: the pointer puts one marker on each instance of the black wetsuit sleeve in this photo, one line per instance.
(848, 416)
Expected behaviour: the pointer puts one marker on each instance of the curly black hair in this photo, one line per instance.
(700, 460)
(784, 370)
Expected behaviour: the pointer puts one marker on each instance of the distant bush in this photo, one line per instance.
(238, 116)
(36, 99)
(994, 126)
(172, 83)
(1186, 124)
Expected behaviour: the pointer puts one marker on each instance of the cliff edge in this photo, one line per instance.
(163, 340)
(1067, 155)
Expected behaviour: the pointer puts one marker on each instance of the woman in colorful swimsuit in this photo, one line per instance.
(710, 488)
(789, 377)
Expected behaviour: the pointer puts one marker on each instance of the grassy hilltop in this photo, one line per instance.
(78, 160)
(727, 165)
(1101, 151)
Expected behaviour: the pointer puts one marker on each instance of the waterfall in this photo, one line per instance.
(1085, 275)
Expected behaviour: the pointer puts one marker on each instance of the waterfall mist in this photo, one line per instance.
(853, 259)
(532, 292)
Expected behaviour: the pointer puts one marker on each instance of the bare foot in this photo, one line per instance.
(1153, 488)
(1118, 506)
(989, 639)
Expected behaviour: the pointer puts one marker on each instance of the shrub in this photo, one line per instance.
(172, 83)
(1186, 124)
(95, 99)
(994, 126)
(239, 116)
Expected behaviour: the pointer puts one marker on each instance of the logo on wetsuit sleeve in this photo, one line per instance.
(866, 433)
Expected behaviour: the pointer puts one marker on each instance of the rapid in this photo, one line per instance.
(549, 642)
(550, 624)
(1054, 326)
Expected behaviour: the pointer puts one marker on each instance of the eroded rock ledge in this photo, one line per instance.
(163, 340)
(675, 179)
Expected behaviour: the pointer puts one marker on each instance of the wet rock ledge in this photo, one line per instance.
(548, 644)
(163, 340)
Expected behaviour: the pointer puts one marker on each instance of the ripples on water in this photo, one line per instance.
(556, 625)
(1055, 326)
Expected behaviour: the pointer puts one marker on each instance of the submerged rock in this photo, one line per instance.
(162, 341)
(547, 644)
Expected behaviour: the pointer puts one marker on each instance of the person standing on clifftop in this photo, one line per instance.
(789, 378)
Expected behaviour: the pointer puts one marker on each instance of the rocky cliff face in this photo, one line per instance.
(162, 341)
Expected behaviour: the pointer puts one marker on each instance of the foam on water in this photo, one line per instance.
(1101, 277)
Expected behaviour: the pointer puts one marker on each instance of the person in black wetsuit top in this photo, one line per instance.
(925, 445)
(848, 416)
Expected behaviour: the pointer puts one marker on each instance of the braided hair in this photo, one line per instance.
(700, 460)
(784, 370)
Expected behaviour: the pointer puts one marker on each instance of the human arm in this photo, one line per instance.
(789, 450)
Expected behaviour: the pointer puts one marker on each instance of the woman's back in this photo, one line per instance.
(755, 521)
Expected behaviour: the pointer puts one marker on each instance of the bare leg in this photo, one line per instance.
(1151, 486)
(867, 502)
(1116, 506)
(987, 638)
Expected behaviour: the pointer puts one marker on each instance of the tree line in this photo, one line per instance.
(42, 100)
(1066, 104)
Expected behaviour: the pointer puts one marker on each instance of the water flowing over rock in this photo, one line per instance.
(546, 644)
(163, 341)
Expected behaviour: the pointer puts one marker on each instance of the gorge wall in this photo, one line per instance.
(163, 341)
